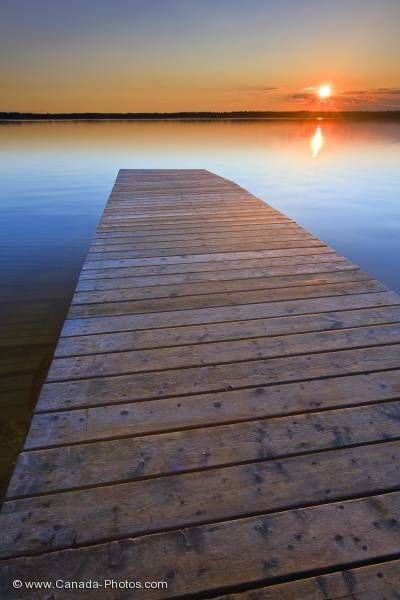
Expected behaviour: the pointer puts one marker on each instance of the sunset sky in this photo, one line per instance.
(173, 55)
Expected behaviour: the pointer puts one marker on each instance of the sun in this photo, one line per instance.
(325, 91)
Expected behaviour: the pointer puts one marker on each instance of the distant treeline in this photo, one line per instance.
(243, 115)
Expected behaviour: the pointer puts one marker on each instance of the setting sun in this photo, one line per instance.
(324, 91)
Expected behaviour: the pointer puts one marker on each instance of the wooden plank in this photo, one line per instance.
(217, 353)
(372, 582)
(193, 246)
(195, 232)
(151, 241)
(217, 557)
(95, 260)
(222, 299)
(94, 325)
(245, 329)
(38, 525)
(303, 257)
(216, 287)
(172, 414)
(190, 242)
(131, 224)
(208, 276)
(127, 459)
(215, 378)
(237, 208)
(129, 214)
(206, 257)
(213, 203)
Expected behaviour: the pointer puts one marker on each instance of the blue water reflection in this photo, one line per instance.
(341, 180)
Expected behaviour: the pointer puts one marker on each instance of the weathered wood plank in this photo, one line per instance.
(97, 259)
(217, 287)
(215, 378)
(172, 414)
(201, 334)
(133, 221)
(222, 299)
(147, 220)
(55, 522)
(373, 582)
(220, 556)
(126, 224)
(208, 276)
(197, 232)
(303, 257)
(215, 353)
(206, 257)
(190, 242)
(100, 250)
(127, 459)
(92, 325)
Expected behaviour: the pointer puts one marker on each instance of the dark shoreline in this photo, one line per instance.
(202, 116)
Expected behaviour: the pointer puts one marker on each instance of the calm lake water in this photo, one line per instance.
(340, 180)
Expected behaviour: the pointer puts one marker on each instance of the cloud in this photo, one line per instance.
(302, 96)
(384, 98)
(254, 88)
(268, 97)
(373, 91)
(372, 98)
(390, 91)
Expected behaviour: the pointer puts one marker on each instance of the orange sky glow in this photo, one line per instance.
(185, 55)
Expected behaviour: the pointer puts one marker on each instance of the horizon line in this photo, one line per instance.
(15, 116)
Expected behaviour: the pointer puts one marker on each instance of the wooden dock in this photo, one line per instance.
(222, 412)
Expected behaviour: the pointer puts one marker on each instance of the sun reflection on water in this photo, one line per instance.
(317, 142)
